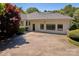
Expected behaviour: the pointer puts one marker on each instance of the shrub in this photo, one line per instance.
(9, 21)
(74, 34)
(20, 31)
(73, 27)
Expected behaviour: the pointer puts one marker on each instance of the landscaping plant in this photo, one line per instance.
(74, 35)
(9, 20)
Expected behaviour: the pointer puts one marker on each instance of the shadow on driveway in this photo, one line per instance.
(13, 42)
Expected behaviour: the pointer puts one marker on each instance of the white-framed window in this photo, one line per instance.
(42, 26)
(26, 23)
(60, 27)
(29, 22)
(50, 26)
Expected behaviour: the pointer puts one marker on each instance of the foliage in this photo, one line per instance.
(74, 34)
(22, 11)
(67, 10)
(9, 20)
(1, 8)
(32, 9)
(20, 31)
(45, 11)
(75, 22)
(73, 27)
(76, 15)
(58, 11)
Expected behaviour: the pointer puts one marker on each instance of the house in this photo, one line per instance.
(46, 22)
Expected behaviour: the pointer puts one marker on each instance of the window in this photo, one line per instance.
(29, 22)
(26, 23)
(50, 26)
(41, 26)
(60, 27)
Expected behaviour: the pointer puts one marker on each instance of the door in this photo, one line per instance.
(33, 27)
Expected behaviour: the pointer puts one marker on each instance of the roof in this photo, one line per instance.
(23, 16)
(44, 15)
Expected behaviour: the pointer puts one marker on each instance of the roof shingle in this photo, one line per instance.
(44, 15)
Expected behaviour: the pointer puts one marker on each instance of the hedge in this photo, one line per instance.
(74, 34)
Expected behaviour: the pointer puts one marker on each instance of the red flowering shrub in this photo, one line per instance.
(9, 21)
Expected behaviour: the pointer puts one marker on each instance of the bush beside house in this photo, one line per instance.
(74, 29)
(74, 34)
(9, 20)
(20, 31)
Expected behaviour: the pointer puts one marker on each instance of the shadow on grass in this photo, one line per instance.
(13, 42)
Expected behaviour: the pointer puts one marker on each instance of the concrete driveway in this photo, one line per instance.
(37, 44)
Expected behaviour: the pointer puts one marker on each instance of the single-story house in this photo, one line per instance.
(46, 22)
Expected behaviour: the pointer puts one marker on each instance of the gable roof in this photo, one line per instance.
(44, 15)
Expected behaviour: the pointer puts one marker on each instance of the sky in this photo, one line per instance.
(45, 6)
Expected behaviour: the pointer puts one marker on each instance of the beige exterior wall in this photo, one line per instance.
(65, 22)
(23, 24)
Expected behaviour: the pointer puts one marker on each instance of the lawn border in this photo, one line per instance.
(73, 42)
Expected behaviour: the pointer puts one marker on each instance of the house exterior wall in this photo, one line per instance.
(23, 23)
(65, 22)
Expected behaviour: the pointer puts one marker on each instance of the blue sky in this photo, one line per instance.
(45, 6)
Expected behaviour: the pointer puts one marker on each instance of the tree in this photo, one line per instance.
(9, 20)
(76, 16)
(68, 10)
(55, 11)
(22, 11)
(60, 11)
(45, 11)
(32, 9)
(75, 22)
(1, 8)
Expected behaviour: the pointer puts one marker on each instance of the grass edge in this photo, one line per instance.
(73, 42)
